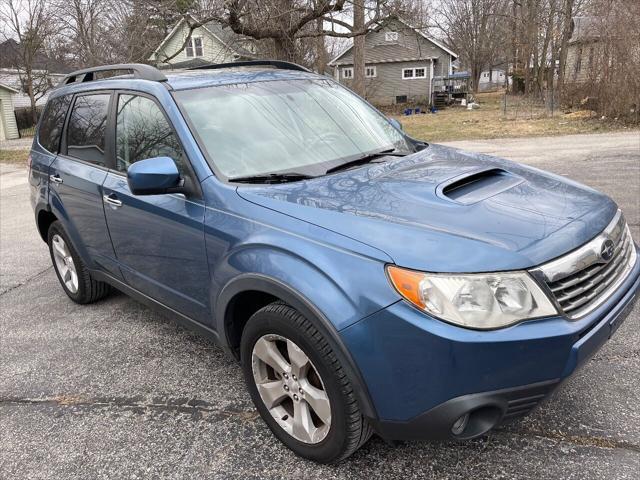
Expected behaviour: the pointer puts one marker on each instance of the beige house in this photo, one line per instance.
(401, 63)
(210, 43)
(8, 126)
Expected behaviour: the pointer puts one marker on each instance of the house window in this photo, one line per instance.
(347, 73)
(401, 99)
(194, 47)
(409, 73)
(579, 61)
(391, 36)
(370, 72)
(486, 75)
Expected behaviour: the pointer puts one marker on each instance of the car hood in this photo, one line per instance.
(446, 210)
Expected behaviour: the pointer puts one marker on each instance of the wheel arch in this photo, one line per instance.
(262, 290)
(44, 219)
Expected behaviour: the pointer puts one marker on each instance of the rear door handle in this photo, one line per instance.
(55, 178)
(112, 199)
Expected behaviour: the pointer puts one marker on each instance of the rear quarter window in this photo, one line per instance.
(52, 123)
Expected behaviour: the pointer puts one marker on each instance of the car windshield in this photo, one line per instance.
(302, 126)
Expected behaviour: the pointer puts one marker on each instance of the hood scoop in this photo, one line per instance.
(476, 186)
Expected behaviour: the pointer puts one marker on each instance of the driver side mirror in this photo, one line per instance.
(395, 123)
(154, 176)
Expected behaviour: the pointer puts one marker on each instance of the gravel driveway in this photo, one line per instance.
(113, 390)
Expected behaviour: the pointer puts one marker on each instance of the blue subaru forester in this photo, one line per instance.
(366, 281)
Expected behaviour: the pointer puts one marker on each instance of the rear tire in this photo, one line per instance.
(74, 276)
(327, 435)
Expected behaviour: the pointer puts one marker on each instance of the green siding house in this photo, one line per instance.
(8, 126)
(210, 43)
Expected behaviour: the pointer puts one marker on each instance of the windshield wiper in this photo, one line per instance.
(272, 178)
(366, 159)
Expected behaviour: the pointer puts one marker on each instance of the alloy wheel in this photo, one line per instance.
(291, 388)
(64, 263)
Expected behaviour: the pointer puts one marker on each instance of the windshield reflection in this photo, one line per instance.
(305, 126)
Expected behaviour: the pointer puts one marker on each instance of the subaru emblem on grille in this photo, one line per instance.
(606, 250)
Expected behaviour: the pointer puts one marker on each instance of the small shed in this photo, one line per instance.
(8, 126)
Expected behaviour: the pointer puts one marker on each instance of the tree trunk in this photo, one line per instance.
(284, 48)
(321, 51)
(32, 96)
(542, 68)
(529, 45)
(514, 43)
(358, 84)
(564, 43)
(476, 71)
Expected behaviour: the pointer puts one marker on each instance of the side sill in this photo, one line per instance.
(158, 306)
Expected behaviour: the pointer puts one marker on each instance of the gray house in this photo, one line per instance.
(401, 63)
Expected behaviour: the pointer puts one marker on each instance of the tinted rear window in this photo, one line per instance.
(87, 126)
(52, 123)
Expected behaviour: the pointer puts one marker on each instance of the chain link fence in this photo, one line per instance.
(521, 107)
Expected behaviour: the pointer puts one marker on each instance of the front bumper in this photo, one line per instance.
(423, 374)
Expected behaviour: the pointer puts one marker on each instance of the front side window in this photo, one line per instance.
(52, 123)
(86, 129)
(306, 126)
(194, 47)
(370, 72)
(142, 131)
(347, 73)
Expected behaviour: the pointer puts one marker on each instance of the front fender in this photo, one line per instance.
(344, 287)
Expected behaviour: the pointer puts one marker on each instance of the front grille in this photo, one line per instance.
(581, 280)
(585, 285)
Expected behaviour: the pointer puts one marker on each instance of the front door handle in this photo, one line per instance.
(55, 178)
(112, 200)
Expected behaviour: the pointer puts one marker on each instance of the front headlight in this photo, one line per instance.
(482, 301)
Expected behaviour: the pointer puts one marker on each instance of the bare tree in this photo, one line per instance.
(85, 29)
(29, 22)
(476, 30)
(284, 24)
(610, 56)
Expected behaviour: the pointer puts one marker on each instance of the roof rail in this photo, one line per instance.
(139, 70)
(279, 64)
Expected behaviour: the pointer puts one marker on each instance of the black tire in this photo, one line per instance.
(89, 290)
(348, 430)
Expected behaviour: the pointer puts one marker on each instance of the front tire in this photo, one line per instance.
(74, 276)
(299, 386)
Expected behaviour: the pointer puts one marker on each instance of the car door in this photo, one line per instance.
(158, 239)
(76, 176)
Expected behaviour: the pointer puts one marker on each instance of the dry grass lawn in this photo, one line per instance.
(14, 157)
(489, 121)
